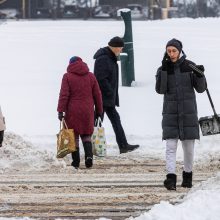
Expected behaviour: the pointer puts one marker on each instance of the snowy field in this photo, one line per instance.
(34, 56)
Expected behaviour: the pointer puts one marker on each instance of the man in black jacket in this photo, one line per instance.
(106, 72)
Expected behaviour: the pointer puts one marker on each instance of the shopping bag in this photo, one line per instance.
(65, 140)
(99, 140)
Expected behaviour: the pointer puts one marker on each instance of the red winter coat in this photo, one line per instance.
(78, 94)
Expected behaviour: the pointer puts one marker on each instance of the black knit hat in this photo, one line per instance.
(175, 43)
(116, 42)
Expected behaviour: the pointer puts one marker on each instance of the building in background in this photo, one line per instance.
(69, 8)
(25, 8)
(146, 9)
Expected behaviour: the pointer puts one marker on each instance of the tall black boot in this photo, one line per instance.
(170, 181)
(88, 154)
(76, 158)
(187, 180)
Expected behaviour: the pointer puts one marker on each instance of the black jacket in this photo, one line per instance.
(177, 83)
(106, 72)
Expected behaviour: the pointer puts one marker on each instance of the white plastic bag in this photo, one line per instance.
(99, 140)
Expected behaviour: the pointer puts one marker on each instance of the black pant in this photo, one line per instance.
(1, 137)
(117, 127)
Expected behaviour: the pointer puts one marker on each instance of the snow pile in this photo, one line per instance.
(18, 154)
(201, 203)
(24, 218)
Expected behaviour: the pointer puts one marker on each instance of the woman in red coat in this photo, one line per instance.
(79, 94)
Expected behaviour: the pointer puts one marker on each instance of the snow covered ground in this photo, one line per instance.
(201, 203)
(34, 56)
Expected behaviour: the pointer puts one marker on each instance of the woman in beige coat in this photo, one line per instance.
(2, 127)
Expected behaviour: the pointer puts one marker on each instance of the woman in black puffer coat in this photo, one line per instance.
(177, 82)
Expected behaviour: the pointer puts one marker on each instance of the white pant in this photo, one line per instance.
(188, 151)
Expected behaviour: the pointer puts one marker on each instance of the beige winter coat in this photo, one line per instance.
(2, 121)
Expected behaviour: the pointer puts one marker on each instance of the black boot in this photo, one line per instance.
(187, 180)
(128, 148)
(88, 154)
(76, 158)
(170, 181)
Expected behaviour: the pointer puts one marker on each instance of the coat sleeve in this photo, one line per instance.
(102, 74)
(199, 83)
(161, 81)
(64, 95)
(97, 96)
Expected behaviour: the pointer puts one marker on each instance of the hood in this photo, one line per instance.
(78, 68)
(104, 51)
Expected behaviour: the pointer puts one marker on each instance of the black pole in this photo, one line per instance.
(127, 57)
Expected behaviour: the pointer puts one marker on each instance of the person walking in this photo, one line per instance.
(106, 72)
(79, 94)
(2, 127)
(176, 81)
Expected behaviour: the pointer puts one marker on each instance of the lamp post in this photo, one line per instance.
(127, 57)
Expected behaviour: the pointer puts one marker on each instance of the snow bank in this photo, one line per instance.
(25, 218)
(201, 203)
(18, 154)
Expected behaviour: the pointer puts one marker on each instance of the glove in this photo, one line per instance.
(101, 116)
(199, 74)
(98, 115)
(60, 116)
(201, 67)
(164, 62)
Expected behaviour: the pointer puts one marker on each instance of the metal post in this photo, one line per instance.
(127, 57)
(54, 9)
(185, 10)
(58, 8)
(23, 9)
(29, 9)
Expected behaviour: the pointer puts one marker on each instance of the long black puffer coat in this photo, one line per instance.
(177, 83)
(106, 72)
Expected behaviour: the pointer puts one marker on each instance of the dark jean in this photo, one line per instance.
(114, 117)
